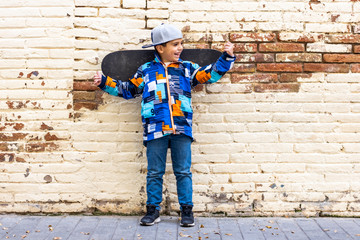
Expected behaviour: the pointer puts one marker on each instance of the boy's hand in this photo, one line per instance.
(97, 78)
(229, 48)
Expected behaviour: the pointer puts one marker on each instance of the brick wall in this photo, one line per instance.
(279, 135)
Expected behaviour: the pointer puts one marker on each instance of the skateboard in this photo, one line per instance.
(122, 65)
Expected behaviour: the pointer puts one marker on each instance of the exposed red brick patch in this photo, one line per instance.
(84, 95)
(292, 77)
(11, 137)
(334, 17)
(279, 67)
(22, 104)
(198, 88)
(88, 105)
(342, 58)
(7, 157)
(357, 49)
(21, 74)
(18, 126)
(3, 146)
(15, 126)
(277, 87)
(298, 37)
(257, 77)
(46, 127)
(355, 68)
(281, 47)
(298, 57)
(49, 137)
(252, 37)
(19, 159)
(346, 38)
(11, 104)
(41, 147)
(84, 86)
(321, 67)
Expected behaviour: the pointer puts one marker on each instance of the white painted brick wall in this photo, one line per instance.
(256, 153)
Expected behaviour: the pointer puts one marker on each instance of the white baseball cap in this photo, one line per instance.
(163, 33)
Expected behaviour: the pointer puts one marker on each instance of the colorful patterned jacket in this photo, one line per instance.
(166, 92)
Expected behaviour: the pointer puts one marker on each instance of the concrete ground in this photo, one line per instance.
(124, 228)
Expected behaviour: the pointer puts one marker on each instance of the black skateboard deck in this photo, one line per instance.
(122, 65)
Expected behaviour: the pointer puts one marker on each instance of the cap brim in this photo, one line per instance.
(147, 46)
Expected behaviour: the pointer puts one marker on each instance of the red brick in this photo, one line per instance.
(22, 104)
(257, 77)
(277, 87)
(281, 47)
(83, 95)
(41, 147)
(84, 86)
(15, 126)
(292, 77)
(19, 159)
(243, 68)
(346, 38)
(88, 105)
(321, 67)
(51, 137)
(305, 38)
(7, 157)
(245, 47)
(198, 88)
(279, 67)
(357, 49)
(252, 37)
(257, 57)
(45, 127)
(11, 146)
(355, 68)
(4, 146)
(299, 57)
(10, 137)
(342, 58)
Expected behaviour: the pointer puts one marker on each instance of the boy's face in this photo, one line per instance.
(171, 51)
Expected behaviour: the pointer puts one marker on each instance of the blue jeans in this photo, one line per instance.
(156, 151)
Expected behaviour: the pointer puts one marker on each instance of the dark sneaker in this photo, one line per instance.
(152, 216)
(187, 216)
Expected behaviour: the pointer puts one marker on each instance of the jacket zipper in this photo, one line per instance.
(169, 97)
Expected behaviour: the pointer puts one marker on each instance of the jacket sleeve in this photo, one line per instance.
(213, 72)
(131, 89)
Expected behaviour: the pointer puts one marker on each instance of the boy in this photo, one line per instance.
(165, 85)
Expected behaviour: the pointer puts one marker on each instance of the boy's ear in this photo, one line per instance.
(159, 48)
